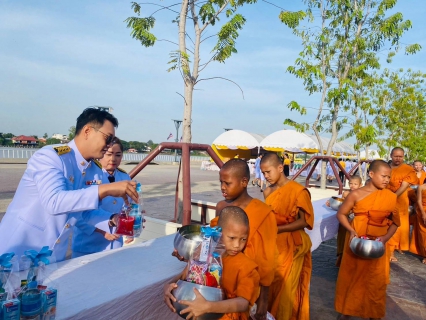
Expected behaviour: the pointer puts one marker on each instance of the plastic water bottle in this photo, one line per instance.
(137, 226)
(31, 302)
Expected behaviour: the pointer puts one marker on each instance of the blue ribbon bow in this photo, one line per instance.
(5, 260)
(42, 256)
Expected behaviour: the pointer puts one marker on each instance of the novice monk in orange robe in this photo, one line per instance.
(361, 283)
(291, 202)
(418, 167)
(261, 244)
(402, 177)
(418, 238)
(240, 278)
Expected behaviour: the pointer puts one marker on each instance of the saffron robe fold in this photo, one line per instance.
(401, 238)
(240, 278)
(261, 244)
(289, 293)
(361, 283)
(418, 237)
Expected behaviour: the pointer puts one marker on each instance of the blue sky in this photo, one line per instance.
(59, 57)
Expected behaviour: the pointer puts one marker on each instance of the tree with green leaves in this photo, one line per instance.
(45, 136)
(401, 96)
(342, 48)
(193, 21)
(71, 133)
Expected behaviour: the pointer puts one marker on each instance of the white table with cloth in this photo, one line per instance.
(127, 283)
(326, 224)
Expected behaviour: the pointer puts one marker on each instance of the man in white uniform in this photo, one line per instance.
(49, 199)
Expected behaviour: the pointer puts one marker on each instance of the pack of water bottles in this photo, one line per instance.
(130, 219)
(205, 264)
(28, 298)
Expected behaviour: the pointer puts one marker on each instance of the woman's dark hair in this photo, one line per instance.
(96, 117)
(118, 141)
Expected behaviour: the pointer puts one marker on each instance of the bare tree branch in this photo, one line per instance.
(175, 44)
(242, 92)
(182, 97)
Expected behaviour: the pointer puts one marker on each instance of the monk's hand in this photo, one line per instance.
(196, 307)
(352, 235)
(168, 297)
(176, 254)
(262, 308)
(424, 218)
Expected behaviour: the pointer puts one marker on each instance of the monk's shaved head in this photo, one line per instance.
(233, 214)
(237, 167)
(272, 159)
(356, 178)
(377, 164)
(397, 149)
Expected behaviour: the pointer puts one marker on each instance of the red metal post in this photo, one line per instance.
(186, 168)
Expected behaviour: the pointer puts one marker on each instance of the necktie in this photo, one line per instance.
(111, 178)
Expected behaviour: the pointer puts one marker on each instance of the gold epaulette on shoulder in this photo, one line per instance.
(119, 169)
(62, 150)
(97, 163)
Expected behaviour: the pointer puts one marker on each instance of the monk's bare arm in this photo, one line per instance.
(220, 205)
(420, 201)
(344, 211)
(420, 198)
(200, 306)
(168, 288)
(299, 224)
(391, 231)
(262, 303)
(404, 186)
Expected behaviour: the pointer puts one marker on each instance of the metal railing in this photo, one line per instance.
(24, 153)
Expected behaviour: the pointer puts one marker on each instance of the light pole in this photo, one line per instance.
(177, 125)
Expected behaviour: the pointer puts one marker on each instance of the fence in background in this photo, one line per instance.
(26, 153)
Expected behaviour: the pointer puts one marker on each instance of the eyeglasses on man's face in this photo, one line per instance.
(109, 138)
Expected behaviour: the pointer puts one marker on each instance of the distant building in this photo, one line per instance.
(42, 140)
(59, 136)
(24, 141)
(107, 109)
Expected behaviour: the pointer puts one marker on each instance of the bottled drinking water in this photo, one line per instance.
(137, 212)
(31, 302)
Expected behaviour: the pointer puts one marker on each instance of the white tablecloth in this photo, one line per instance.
(125, 283)
(326, 224)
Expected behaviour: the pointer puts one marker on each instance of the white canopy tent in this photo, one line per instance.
(290, 141)
(341, 148)
(238, 139)
(372, 154)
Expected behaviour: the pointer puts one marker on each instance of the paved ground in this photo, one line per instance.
(406, 294)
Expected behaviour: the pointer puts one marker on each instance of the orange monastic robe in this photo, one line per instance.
(401, 238)
(289, 293)
(418, 238)
(261, 244)
(412, 196)
(240, 278)
(361, 283)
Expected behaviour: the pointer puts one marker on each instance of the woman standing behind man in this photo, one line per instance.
(96, 232)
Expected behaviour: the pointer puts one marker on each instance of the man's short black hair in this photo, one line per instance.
(96, 117)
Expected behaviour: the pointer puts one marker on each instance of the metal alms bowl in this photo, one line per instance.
(185, 291)
(414, 187)
(187, 239)
(368, 249)
(335, 203)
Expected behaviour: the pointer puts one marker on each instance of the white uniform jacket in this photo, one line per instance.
(48, 202)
